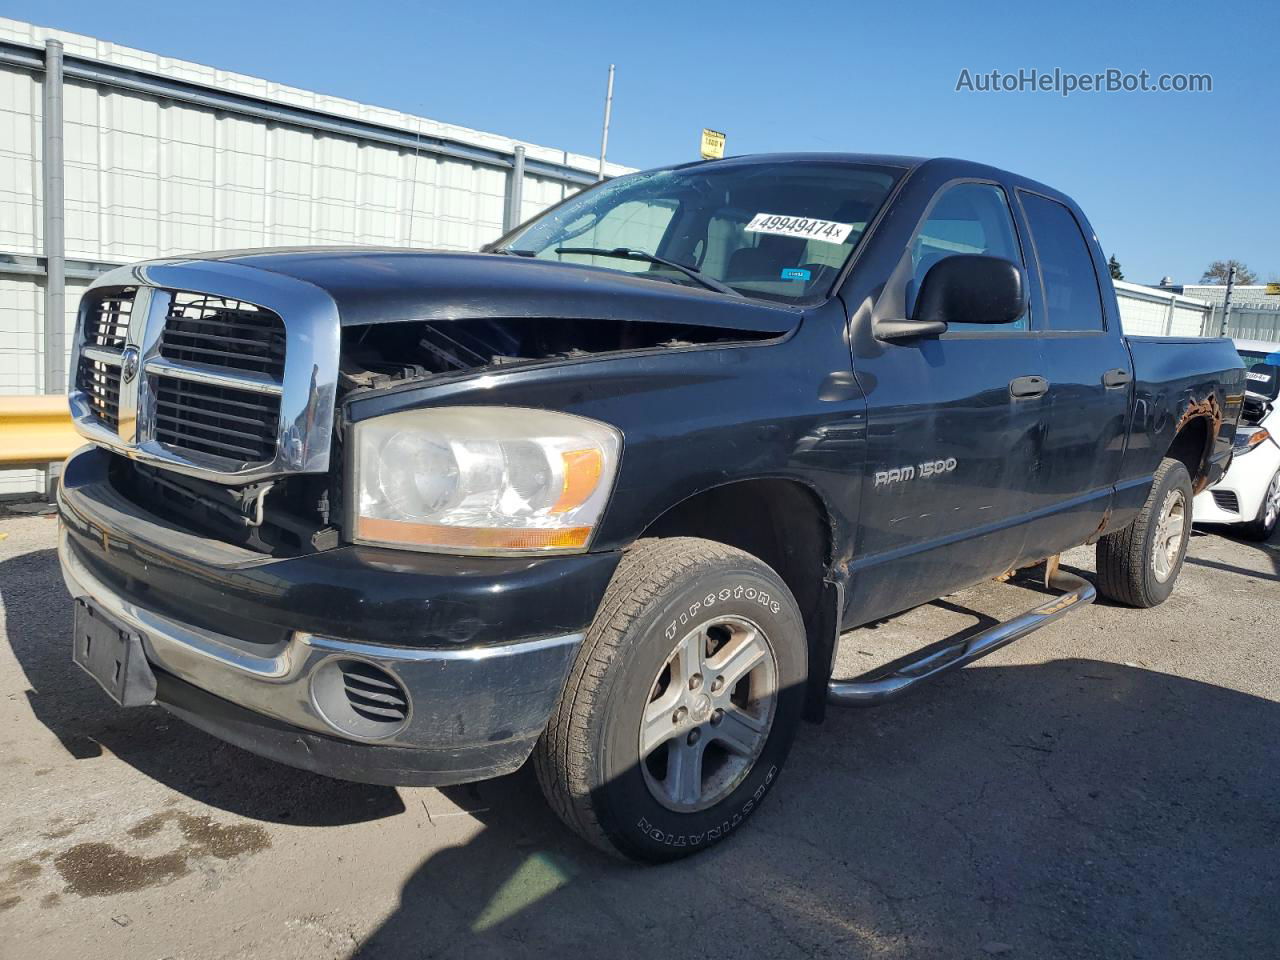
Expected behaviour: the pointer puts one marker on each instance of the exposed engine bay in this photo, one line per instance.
(302, 514)
(378, 355)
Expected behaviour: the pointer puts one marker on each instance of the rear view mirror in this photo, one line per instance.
(972, 288)
(1263, 380)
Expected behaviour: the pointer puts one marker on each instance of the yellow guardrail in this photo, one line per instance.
(35, 431)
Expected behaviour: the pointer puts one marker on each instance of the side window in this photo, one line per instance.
(967, 218)
(1072, 301)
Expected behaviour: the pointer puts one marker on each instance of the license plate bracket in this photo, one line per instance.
(113, 656)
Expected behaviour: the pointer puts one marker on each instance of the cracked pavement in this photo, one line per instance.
(1107, 787)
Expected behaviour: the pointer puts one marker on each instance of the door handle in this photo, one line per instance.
(1021, 388)
(1119, 377)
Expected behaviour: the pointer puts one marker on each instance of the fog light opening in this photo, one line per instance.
(359, 699)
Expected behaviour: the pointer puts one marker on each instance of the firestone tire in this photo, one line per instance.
(1139, 565)
(688, 629)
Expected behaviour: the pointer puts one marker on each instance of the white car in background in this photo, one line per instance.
(1249, 494)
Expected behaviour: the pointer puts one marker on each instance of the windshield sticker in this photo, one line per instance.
(827, 230)
(795, 273)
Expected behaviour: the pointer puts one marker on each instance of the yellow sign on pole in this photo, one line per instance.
(712, 144)
(1273, 289)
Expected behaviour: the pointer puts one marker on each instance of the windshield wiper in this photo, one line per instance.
(626, 253)
(513, 252)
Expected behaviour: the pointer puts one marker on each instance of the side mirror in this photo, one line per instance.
(972, 288)
(964, 288)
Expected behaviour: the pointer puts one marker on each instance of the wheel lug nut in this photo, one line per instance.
(716, 684)
(694, 736)
(695, 681)
(716, 716)
(680, 714)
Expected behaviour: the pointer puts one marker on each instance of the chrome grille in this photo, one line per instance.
(106, 323)
(106, 329)
(234, 338)
(100, 383)
(224, 333)
(199, 382)
(221, 421)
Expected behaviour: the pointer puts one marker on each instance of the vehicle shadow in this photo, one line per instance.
(1076, 808)
(1268, 552)
(68, 702)
(1232, 568)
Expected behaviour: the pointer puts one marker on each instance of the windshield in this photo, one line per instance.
(780, 231)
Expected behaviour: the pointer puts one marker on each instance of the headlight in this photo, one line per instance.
(1249, 440)
(482, 479)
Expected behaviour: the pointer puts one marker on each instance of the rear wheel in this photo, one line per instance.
(682, 704)
(1139, 565)
(1264, 524)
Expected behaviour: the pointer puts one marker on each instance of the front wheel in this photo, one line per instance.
(1139, 565)
(1264, 524)
(681, 705)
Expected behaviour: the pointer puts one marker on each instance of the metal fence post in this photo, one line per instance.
(512, 217)
(55, 295)
(1226, 302)
(1168, 320)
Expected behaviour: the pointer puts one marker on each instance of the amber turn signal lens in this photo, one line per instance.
(1256, 438)
(470, 538)
(582, 469)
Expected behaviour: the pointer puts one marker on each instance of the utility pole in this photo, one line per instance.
(1226, 301)
(608, 109)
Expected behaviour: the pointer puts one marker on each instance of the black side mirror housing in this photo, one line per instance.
(972, 288)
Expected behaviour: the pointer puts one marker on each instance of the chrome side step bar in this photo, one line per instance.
(876, 688)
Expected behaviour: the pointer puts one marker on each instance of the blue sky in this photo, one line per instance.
(1170, 181)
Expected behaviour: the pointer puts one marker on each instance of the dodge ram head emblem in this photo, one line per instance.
(129, 361)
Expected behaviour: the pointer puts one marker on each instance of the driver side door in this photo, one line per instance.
(955, 427)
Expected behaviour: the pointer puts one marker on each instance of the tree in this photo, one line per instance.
(1218, 270)
(1114, 265)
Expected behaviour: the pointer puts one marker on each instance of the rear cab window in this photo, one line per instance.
(1072, 299)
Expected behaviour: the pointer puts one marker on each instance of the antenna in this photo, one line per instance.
(608, 109)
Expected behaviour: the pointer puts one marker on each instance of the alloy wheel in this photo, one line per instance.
(709, 713)
(1168, 539)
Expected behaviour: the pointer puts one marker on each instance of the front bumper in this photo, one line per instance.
(1238, 496)
(475, 709)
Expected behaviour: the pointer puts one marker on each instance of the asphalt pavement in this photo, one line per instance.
(1107, 787)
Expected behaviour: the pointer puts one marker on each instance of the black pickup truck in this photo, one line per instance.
(606, 493)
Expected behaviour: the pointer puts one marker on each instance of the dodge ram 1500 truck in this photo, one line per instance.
(606, 493)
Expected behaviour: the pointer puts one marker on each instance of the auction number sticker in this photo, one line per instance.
(827, 230)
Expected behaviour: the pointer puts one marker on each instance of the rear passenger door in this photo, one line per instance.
(1089, 374)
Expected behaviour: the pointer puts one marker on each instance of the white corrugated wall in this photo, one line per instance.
(1145, 311)
(147, 176)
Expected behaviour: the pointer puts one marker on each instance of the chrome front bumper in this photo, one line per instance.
(471, 699)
